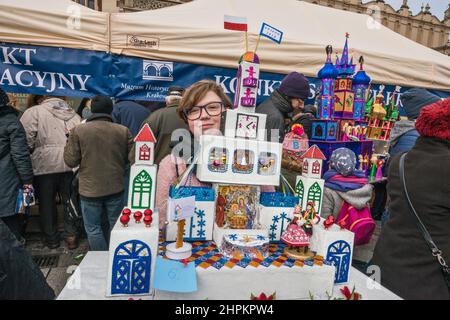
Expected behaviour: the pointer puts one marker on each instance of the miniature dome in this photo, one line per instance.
(328, 72)
(361, 78)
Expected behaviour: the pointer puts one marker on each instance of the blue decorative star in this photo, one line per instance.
(275, 219)
(201, 223)
(201, 233)
(260, 237)
(233, 237)
(200, 213)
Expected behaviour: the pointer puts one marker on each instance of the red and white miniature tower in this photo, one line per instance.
(309, 186)
(145, 146)
(141, 192)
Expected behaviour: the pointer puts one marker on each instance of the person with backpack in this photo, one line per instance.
(347, 195)
(344, 184)
(47, 126)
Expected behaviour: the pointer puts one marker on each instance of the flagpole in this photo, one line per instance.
(246, 41)
(257, 42)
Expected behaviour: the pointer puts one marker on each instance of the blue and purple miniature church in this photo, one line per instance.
(341, 119)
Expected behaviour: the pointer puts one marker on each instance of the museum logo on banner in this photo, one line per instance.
(142, 42)
(157, 70)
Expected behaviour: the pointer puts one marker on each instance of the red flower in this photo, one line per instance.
(263, 296)
(350, 295)
(346, 292)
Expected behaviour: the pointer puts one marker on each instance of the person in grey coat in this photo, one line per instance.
(16, 169)
(290, 96)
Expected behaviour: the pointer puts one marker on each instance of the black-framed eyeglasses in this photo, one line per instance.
(212, 109)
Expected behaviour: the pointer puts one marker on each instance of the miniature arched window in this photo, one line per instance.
(144, 152)
(299, 190)
(314, 195)
(332, 131)
(141, 190)
(338, 254)
(131, 268)
(305, 166)
(316, 167)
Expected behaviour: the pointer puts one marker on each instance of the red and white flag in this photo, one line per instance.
(235, 23)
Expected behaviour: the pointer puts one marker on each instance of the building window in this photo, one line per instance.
(397, 26)
(91, 4)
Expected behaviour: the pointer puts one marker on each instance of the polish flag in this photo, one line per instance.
(235, 23)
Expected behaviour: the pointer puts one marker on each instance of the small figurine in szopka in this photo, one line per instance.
(373, 170)
(379, 174)
(310, 216)
(296, 238)
(295, 144)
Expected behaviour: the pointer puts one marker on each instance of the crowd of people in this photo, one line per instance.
(61, 152)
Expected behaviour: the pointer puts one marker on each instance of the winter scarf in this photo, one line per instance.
(338, 182)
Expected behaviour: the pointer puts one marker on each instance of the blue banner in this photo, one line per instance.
(72, 72)
(54, 71)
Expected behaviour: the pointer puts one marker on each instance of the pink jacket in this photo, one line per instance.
(167, 175)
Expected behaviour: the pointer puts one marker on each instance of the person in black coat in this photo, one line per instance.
(406, 263)
(15, 163)
(20, 277)
(290, 96)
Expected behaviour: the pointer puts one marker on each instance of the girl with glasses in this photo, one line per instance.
(201, 108)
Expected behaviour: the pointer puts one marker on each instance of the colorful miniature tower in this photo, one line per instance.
(247, 82)
(243, 158)
(309, 186)
(376, 117)
(327, 75)
(361, 83)
(343, 93)
(142, 185)
(347, 126)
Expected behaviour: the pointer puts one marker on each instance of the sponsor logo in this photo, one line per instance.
(142, 42)
(157, 70)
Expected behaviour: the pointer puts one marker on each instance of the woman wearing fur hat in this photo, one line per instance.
(407, 265)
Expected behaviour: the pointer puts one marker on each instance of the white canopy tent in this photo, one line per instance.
(61, 23)
(194, 33)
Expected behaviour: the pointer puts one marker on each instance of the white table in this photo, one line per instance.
(89, 282)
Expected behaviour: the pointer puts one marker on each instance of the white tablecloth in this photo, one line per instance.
(89, 282)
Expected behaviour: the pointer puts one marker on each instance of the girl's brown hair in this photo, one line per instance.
(196, 92)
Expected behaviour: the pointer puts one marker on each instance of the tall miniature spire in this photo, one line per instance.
(344, 57)
(405, 4)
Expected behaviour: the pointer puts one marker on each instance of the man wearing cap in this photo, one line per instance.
(290, 96)
(164, 122)
(101, 149)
